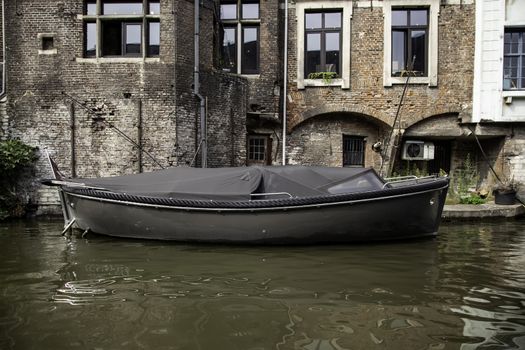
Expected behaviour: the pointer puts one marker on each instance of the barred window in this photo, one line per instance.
(353, 150)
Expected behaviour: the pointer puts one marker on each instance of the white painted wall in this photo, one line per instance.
(490, 102)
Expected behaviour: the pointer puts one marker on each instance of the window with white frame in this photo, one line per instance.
(514, 59)
(240, 22)
(121, 28)
(411, 41)
(323, 43)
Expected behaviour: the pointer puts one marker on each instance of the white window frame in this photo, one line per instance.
(346, 8)
(433, 14)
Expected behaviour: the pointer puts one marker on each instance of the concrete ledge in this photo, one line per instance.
(482, 211)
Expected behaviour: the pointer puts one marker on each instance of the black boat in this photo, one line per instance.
(277, 205)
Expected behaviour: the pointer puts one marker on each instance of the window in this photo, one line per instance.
(240, 22)
(409, 41)
(123, 28)
(410, 35)
(258, 150)
(47, 44)
(353, 150)
(323, 43)
(514, 59)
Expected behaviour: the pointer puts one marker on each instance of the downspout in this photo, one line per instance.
(196, 87)
(285, 78)
(4, 74)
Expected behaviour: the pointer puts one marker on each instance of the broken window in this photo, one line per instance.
(240, 21)
(122, 28)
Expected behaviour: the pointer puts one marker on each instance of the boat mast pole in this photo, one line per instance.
(285, 78)
(196, 86)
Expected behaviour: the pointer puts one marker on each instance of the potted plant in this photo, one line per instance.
(505, 192)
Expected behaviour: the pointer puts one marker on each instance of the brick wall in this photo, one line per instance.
(152, 96)
(368, 97)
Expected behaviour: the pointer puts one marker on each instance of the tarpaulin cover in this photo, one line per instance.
(241, 183)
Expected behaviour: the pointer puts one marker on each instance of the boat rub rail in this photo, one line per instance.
(433, 184)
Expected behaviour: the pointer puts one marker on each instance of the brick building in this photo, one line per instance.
(81, 73)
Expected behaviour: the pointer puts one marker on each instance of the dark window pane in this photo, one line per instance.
(313, 53)
(154, 8)
(506, 49)
(122, 8)
(133, 39)
(419, 52)
(314, 20)
(154, 39)
(250, 50)
(418, 17)
(90, 49)
(514, 43)
(48, 43)
(332, 52)
(250, 10)
(228, 11)
(332, 20)
(398, 51)
(399, 17)
(111, 38)
(91, 8)
(229, 49)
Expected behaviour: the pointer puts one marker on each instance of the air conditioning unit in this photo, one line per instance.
(418, 150)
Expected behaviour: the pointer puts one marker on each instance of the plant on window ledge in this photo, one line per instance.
(326, 76)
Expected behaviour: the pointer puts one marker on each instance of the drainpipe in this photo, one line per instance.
(4, 74)
(196, 87)
(285, 77)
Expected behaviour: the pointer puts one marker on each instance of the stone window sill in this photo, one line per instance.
(320, 83)
(513, 93)
(413, 80)
(118, 60)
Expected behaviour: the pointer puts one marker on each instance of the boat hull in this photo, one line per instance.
(408, 215)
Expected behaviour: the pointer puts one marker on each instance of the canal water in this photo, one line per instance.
(463, 290)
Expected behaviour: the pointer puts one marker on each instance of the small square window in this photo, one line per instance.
(48, 43)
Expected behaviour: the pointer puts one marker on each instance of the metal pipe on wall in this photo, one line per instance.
(196, 86)
(139, 134)
(4, 73)
(285, 78)
(73, 140)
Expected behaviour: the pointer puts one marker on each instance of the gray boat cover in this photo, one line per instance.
(241, 183)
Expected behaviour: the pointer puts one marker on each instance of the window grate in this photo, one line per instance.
(353, 150)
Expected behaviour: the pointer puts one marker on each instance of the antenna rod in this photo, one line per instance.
(387, 144)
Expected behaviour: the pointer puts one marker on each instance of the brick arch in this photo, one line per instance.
(417, 119)
(369, 114)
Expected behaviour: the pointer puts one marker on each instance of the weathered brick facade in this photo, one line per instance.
(152, 101)
(149, 97)
(368, 108)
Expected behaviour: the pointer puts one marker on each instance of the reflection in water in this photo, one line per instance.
(463, 290)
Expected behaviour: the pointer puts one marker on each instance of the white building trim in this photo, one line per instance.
(346, 7)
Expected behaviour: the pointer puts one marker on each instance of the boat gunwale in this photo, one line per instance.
(257, 205)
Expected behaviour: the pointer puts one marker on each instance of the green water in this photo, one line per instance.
(463, 290)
